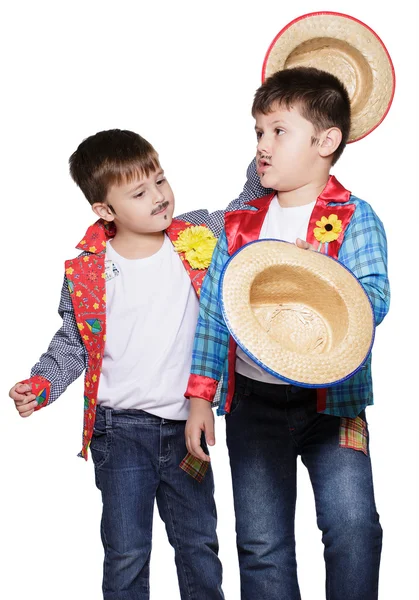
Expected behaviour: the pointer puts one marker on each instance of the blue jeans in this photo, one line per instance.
(136, 457)
(268, 427)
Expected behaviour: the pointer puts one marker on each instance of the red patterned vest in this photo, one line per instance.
(87, 286)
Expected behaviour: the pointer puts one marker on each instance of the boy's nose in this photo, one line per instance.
(158, 196)
(263, 146)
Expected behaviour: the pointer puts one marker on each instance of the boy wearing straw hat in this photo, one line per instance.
(303, 123)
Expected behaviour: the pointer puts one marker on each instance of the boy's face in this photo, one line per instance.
(145, 205)
(286, 158)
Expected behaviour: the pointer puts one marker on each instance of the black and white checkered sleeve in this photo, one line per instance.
(66, 357)
(215, 220)
(252, 189)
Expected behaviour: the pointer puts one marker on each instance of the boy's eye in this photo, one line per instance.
(160, 181)
(279, 131)
(139, 195)
(258, 135)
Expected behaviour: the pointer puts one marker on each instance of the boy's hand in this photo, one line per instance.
(21, 394)
(201, 419)
(304, 245)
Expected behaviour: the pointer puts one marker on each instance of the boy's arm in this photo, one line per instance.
(364, 252)
(61, 364)
(252, 188)
(215, 221)
(211, 336)
(208, 357)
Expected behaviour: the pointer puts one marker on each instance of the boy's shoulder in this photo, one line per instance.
(94, 240)
(363, 204)
(96, 236)
(363, 209)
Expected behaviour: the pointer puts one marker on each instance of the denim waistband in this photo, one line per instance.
(108, 415)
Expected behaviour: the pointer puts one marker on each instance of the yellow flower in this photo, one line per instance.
(78, 293)
(198, 243)
(92, 249)
(95, 305)
(70, 271)
(80, 326)
(94, 378)
(328, 229)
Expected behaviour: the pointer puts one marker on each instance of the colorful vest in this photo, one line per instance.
(86, 283)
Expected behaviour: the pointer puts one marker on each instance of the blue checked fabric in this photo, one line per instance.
(363, 251)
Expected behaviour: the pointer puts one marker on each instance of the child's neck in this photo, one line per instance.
(305, 194)
(132, 245)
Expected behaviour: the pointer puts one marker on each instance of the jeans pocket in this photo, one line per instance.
(100, 445)
(235, 403)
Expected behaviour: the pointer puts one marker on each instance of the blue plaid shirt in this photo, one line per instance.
(363, 251)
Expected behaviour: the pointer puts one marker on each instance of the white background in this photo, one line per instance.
(183, 75)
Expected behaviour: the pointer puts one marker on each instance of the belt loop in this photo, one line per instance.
(108, 418)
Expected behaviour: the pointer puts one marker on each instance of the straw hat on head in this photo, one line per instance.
(301, 315)
(348, 49)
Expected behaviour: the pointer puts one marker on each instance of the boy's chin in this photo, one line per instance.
(166, 221)
(264, 181)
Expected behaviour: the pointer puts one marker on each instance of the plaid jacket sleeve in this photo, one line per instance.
(66, 357)
(364, 252)
(215, 220)
(211, 337)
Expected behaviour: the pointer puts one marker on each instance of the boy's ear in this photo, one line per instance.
(103, 211)
(329, 141)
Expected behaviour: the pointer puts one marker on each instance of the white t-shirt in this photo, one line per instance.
(285, 224)
(151, 315)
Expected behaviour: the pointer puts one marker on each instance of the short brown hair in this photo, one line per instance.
(321, 98)
(108, 158)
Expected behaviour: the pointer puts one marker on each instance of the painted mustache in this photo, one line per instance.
(160, 207)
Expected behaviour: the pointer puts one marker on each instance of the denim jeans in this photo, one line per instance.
(136, 457)
(268, 427)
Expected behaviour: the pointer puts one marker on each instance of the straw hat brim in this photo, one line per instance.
(302, 316)
(347, 48)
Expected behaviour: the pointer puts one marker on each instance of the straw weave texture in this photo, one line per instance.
(299, 313)
(348, 50)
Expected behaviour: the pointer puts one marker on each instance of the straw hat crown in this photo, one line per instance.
(300, 315)
(348, 49)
